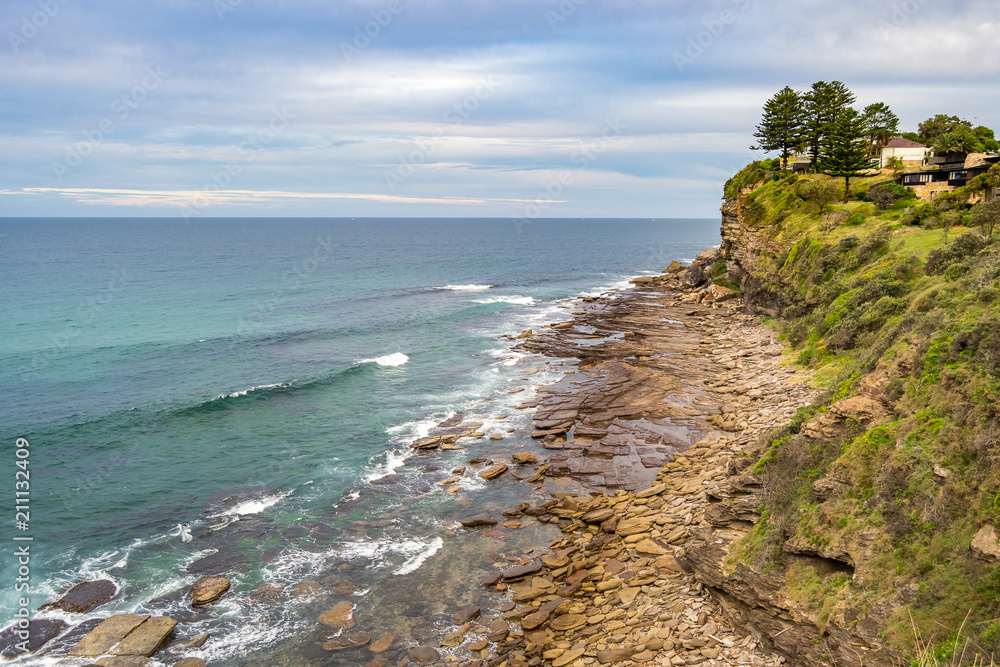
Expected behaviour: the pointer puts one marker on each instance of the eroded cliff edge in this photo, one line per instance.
(864, 529)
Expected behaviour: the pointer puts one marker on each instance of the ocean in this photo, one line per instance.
(248, 389)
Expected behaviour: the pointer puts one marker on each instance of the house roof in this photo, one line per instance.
(900, 142)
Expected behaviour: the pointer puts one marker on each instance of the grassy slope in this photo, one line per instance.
(874, 296)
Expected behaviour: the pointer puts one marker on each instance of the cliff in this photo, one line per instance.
(863, 532)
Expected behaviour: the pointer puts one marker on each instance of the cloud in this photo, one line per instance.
(559, 69)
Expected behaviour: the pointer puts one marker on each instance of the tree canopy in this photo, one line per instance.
(845, 151)
(781, 126)
(796, 121)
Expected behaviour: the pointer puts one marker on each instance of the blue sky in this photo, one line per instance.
(533, 108)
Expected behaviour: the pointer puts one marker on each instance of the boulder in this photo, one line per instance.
(207, 590)
(40, 632)
(675, 267)
(341, 642)
(382, 644)
(341, 615)
(493, 471)
(610, 655)
(479, 520)
(521, 571)
(100, 640)
(984, 544)
(147, 638)
(465, 614)
(423, 655)
(83, 597)
(524, 458)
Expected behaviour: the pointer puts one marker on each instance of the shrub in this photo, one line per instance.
(939, 259)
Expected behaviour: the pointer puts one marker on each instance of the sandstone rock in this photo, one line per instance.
(207, 590)
(521, 571)
(633, 526)
(100, 640)
(598, 516)
(465, 614)
(40, 632)
(651, 548)
(342, 642)
(83, 597)
(382, 644)
(493, 471)
(985, 545)
(190, 662)
(479, 520)
(341, 615)
(610, 655)
(524, 458)
(569, 657)
(567, 622)
(147, 638)
(188, 644)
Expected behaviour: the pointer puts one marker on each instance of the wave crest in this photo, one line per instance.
(395, 359)
(462, 288)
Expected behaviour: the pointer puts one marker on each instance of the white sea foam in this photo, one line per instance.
(395, 359)
(393, 461)
(462, 288)
(252, 506)
(414, 563)
(236, 394)
(515, 300)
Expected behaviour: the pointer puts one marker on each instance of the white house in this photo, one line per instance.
(910, 152)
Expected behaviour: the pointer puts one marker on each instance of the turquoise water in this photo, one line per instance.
(153, 364)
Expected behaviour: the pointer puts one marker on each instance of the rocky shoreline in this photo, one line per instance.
(665, 385)
(673, 383)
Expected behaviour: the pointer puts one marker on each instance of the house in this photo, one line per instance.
(947, 176)
(910, 152)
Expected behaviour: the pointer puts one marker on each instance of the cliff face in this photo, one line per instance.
(760, 597)
(743, 247)
(844, 538)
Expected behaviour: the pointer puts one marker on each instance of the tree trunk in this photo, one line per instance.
(847, 185)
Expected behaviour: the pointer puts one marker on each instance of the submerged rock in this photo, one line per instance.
(479, 520)
(40, 632)
(424, 655)
(341, 615)
(83, 597)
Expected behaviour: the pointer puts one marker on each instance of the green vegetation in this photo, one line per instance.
(897, 302)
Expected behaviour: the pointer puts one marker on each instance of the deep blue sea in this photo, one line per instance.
(155, 366)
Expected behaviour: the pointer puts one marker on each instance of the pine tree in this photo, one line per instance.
(845, 151)
(781, 127)
(824, 104)
(881, 124)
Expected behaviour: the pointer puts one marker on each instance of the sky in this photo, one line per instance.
(444, 108)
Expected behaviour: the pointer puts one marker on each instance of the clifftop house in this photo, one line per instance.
(910, 152)
(949, 174)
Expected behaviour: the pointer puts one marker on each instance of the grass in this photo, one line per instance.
(914, 315)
